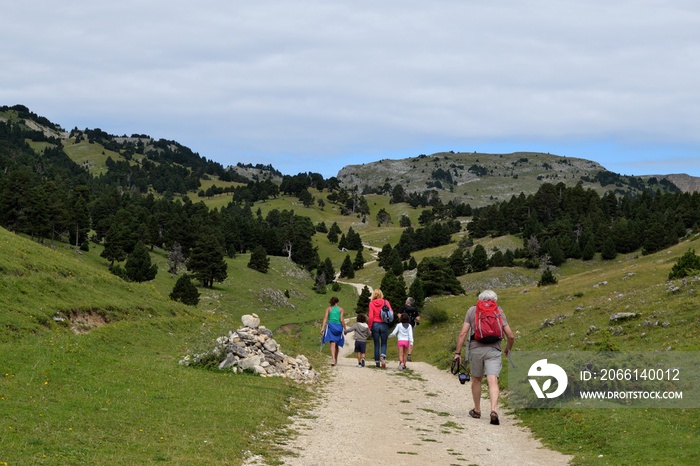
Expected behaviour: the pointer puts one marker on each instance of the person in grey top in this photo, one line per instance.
(362, 332)
(484, 357)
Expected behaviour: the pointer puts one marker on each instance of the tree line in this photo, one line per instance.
(47, 196)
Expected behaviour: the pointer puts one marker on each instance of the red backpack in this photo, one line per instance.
(488, 322)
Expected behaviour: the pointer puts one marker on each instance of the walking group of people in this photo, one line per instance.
(371, 324)
(485, 326)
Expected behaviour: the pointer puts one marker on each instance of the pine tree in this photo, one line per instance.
(363, 301)
(394, 289)
(207, 262)
(547, 278)
(343, 243)
(416, 292)
(588, 250)
(138, 265)
(608, 252)
(556, 253)
(326, 267)
(396, 264)
(346, 269)
(259, 260)
(384, 256)
(359, 262)
(457, 262)
(354, 242)
(185, 291)
(333, 233)
(479, 260)
(438, 277)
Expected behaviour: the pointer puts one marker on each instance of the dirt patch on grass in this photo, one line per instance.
(85, 322)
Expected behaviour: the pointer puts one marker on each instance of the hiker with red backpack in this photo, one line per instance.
(485, 325)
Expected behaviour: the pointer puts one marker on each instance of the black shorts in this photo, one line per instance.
(360, 346)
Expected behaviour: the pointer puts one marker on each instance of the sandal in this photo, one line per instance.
(494, 418)
(475, 414)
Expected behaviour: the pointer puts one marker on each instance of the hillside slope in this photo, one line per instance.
(480, 179)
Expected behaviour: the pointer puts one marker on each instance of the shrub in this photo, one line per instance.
(547, 278)
(435, 315)
(686, 265)
(185, 291)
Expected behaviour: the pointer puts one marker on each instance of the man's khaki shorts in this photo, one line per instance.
(485, 360)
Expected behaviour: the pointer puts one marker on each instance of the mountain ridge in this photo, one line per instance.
(475, 178)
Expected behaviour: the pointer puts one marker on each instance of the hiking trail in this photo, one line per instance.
(414, 417)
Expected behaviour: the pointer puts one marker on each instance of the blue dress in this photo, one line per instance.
(334, 329)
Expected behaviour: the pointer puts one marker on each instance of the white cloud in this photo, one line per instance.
(323, 79)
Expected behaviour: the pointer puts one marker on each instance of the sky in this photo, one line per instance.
(312, 86)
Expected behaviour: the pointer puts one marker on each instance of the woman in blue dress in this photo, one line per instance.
(333, 328)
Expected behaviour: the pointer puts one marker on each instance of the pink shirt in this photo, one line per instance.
(375, 309)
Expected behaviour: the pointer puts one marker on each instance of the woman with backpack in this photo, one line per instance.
(380, 315)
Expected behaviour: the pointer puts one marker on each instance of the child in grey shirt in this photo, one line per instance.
(362, 332)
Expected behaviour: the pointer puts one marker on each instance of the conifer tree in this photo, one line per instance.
(138, 265)
(479, 260)
(327, 268)
(608, 251)
(588, 250)
(207, 262)
(259, 260)
(394, 289)
(416, 292)
(346, 269)
(185, 291)
(547, 278)
(359, 262)
(438, 277)
(363, 300)
(333, 233)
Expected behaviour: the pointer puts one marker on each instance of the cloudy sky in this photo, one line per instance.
(314, 85)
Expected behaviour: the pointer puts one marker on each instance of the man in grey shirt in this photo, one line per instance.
(485, 357)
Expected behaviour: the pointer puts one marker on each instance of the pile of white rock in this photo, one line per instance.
(251, 348)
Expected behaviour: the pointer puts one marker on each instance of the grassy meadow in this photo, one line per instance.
(89, 369)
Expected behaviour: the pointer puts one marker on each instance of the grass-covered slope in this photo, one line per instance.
(587, 294)
(111, 390)
(116, 393)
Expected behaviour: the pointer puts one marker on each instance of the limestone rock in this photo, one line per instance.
(250, 320)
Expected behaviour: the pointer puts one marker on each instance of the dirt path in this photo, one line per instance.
(417, 417)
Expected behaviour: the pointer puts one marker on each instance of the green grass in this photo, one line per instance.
(588, 293)
(117, 392)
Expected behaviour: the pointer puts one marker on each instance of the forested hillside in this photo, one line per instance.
(131, 193)
(443, 227)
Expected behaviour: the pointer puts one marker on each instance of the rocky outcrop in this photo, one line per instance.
(252, 348)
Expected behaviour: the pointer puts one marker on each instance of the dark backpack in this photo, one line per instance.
(488, 322)
(386, 314)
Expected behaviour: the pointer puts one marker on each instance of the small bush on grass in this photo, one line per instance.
(435, 315)
(547, 278)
